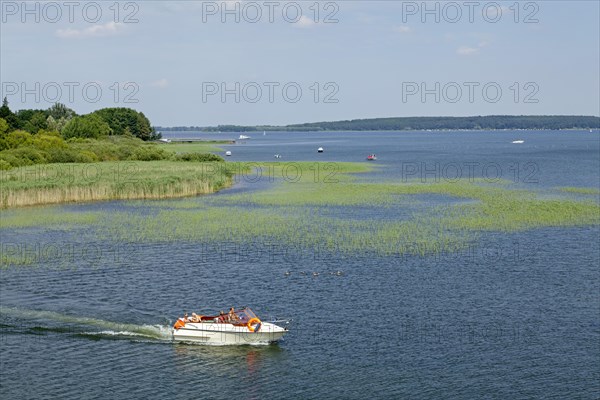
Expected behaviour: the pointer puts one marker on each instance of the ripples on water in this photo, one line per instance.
(512, 316)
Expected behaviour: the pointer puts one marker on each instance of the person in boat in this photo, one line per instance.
(222, 316)
(232, 316)
(195, 317)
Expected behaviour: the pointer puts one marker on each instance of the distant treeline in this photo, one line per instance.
(491, 122)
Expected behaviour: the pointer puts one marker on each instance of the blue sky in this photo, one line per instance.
(380, 59)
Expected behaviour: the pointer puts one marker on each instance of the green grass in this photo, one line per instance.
(299, 210)
(60, 183)
(193, 147)
(580, 190)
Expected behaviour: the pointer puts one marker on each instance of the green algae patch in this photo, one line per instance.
(331, 208)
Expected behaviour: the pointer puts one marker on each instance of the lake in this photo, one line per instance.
(513, 315)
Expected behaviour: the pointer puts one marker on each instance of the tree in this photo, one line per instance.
(87, 126)
(8, 115)
(56, 125)
(3, 127)
(126, 120)
(37, 122)
(59, 110)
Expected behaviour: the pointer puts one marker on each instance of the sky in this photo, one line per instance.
(211, 63)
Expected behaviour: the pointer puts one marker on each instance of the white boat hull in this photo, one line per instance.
(227, 334)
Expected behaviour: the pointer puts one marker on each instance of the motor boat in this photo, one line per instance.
(228, 153)
(234, 328)
(320, 150)
(244, 137)
(518, 142)
(371, 157)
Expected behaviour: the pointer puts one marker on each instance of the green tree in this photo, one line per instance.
(56, 125)
(87, 126)
(8, 116)
(37, 122)
(3, 127)
(59, 110)
(126, 120)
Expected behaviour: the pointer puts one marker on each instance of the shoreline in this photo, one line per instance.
(594, 130)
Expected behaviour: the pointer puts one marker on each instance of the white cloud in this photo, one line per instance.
(108, 29)
(467, 51)
(304, 22)
(161, 83)
(402, 29)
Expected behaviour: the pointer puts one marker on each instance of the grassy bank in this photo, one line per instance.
(193, 147)
(77, 182)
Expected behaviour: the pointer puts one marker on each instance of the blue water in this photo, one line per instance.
(545, 159)
(512, 316)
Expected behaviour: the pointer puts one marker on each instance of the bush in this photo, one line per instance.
(198, 157)
(16, 139)
(10, 159)
(88, 156)
(149, 153)
(58, 155)
(5, 166)
(105, 150)
(46, 142)
(24, 156)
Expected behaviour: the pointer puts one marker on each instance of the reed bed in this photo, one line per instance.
(63, 183)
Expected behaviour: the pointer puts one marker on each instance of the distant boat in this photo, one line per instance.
(320, 150)
(165, 140)
(371, 157)
(228, 153)
(264, 133)
(591, 131)
(277, 155)
(518, 141)
(243, 137)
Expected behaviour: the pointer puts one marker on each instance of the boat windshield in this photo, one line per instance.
(244, 315)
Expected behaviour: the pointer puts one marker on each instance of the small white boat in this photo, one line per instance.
(228, 153)
(235, 328)
(320, 150)
(518, 141)
(244, 137)
(277, 155)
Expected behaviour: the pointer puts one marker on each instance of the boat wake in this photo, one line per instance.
(39, 322)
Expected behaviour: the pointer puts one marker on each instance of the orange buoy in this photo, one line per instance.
(179, 324)
(252, 322)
